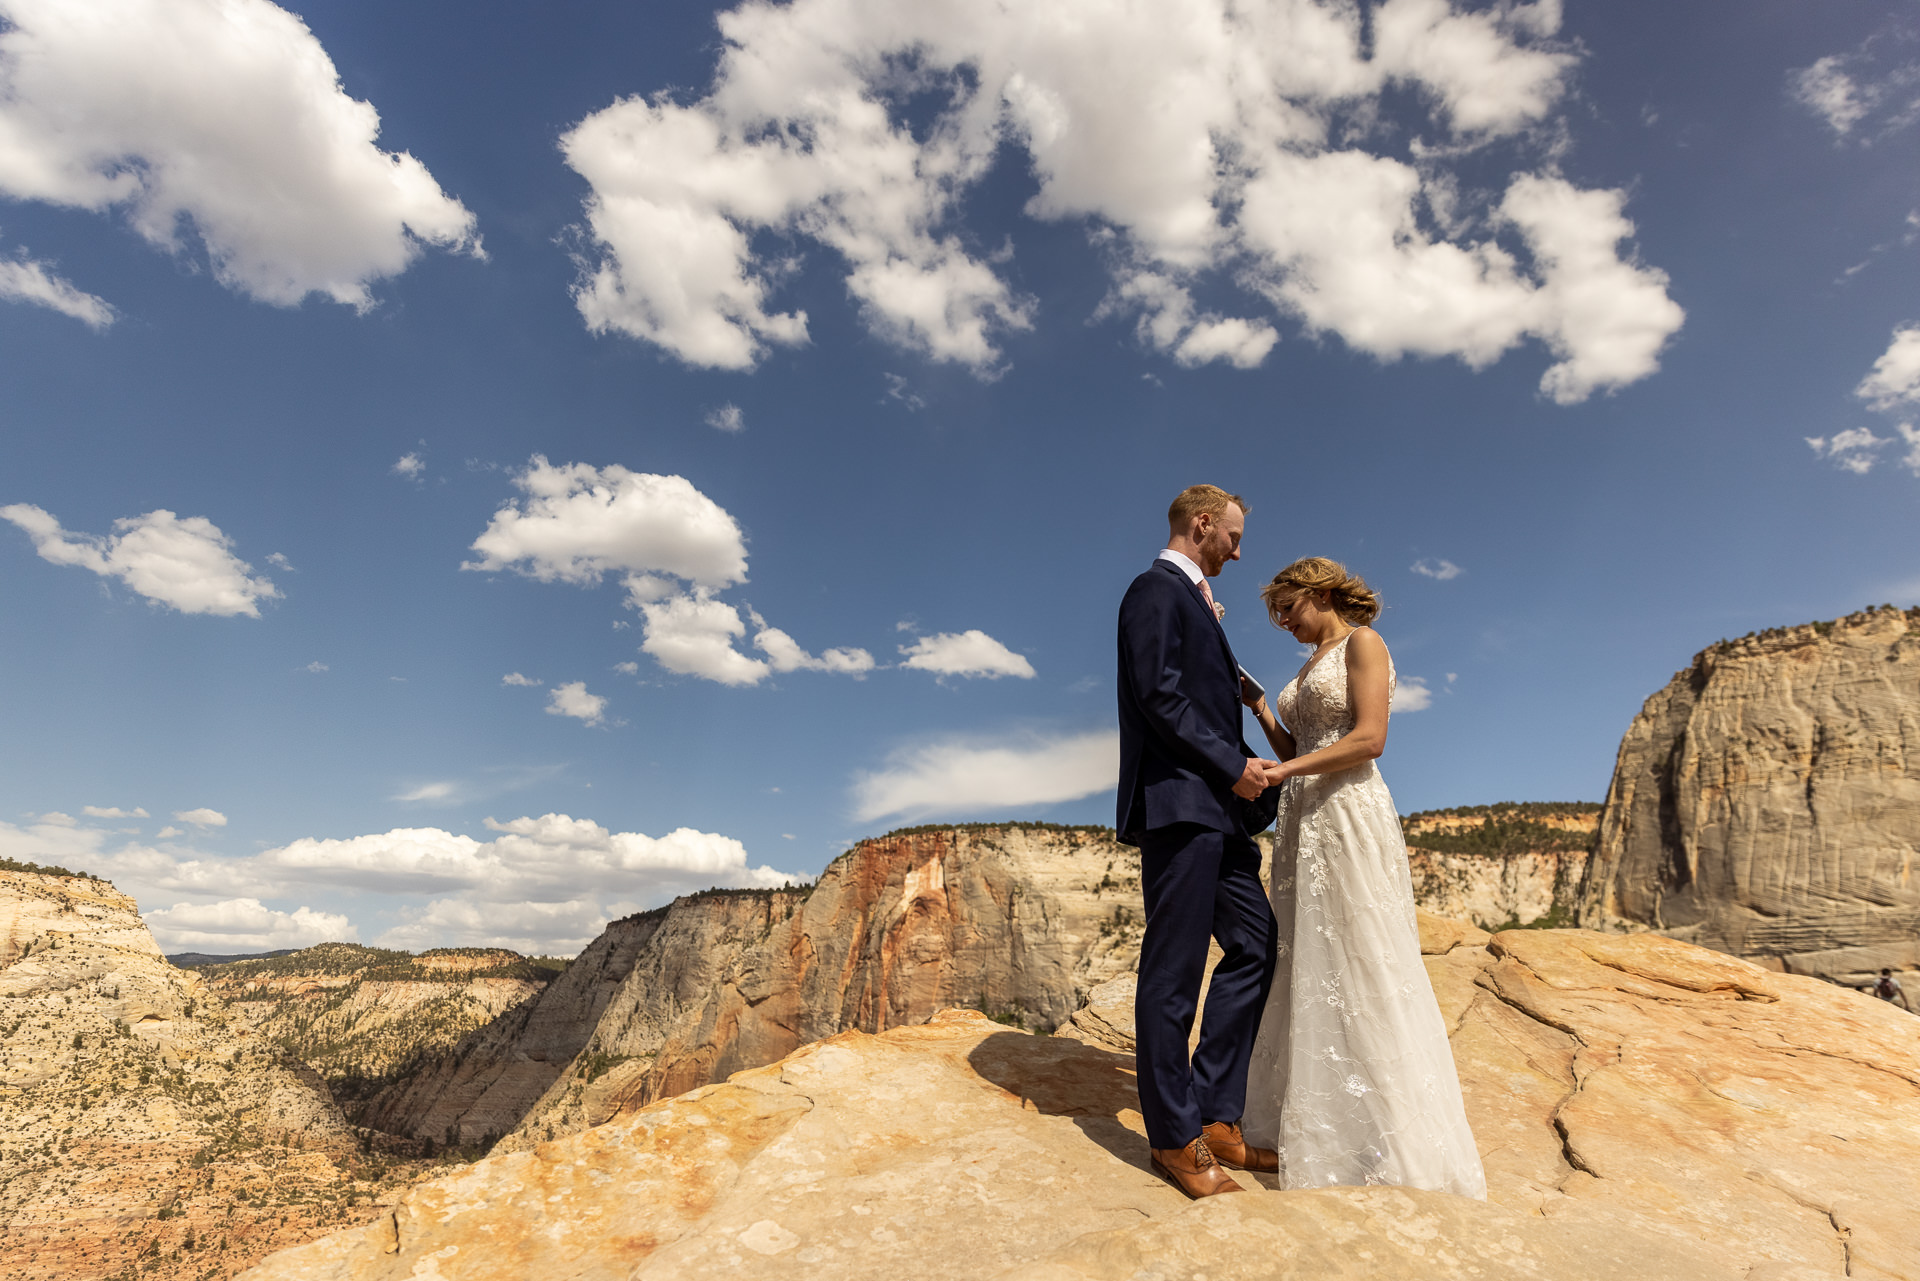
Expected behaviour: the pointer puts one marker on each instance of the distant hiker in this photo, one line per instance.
(1889, 989)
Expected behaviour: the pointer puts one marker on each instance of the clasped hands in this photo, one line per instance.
(1259, 775)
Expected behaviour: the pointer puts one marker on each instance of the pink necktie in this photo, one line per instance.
(1208, 593)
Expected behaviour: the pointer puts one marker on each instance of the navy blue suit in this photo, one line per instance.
(1181, 752)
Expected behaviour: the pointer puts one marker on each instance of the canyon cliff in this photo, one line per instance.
(364, 1017)
(1644, 1109)
(1518, 863)
(1766, 803)
(143, 1124)
(1017, 921)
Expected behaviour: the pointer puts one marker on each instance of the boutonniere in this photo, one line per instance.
(1219, 611)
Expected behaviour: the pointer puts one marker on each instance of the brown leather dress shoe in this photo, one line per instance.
(1230, 1148)
(1193, 1170)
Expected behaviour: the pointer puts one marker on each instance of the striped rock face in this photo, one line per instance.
(1766, 803)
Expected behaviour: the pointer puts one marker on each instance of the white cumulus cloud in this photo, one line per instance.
(1440, 569)
(968, 653)
(727, 418)
(693, 635)
(202, 817)
(23, 279)
(409, 466)
(546, 884)
(225, 117)
(1856, 449)
(1410, 694)
(1828, 90)
(972, 778)
(578, 523)
(113, 811)
(1201, 142)
(572, 699)
(186, 564)
(785, 655)
(1894, 379)
(515, 678)
(243, 925)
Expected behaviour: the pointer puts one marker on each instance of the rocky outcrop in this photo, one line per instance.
(483, 1088)
(142, 1124)
(365, 1017)
(1019, 922)
(1766, 803)
(1501, 865)
(38, 910)
(1644, 1108)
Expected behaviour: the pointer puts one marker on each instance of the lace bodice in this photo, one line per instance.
(1314, 705)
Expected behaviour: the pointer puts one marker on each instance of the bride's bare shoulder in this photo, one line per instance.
(1366, 640)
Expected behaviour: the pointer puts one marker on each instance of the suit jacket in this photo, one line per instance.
(1181, 750)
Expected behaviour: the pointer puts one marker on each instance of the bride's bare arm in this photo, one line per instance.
(1367, 686)
(1277, 736)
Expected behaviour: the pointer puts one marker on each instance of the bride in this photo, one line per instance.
(1352, 1078)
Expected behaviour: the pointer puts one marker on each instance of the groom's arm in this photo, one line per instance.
(1151, 645)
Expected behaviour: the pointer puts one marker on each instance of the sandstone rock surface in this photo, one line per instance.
(1645, 1109)
(1017, 921)
(1766, 803)
(142, 1125)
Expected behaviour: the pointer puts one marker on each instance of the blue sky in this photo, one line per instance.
(782, 397)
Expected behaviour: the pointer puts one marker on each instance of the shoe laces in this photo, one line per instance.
(1202, 1154)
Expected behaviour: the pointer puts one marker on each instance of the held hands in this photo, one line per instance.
(1258, 776)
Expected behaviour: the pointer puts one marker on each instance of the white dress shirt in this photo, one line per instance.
(1187, 567)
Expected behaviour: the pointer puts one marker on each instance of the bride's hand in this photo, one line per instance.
(1256, 701)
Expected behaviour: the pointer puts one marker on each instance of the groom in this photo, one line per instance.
(1191, 796)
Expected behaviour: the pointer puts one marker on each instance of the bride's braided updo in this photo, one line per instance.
(1349, 595)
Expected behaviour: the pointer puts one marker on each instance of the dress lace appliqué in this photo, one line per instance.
(1352, 1077)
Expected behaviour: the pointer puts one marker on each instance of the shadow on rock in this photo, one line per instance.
(1057, 1076)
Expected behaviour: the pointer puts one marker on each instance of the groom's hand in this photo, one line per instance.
(1253, 779)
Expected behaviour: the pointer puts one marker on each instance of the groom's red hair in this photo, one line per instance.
(1201, 500)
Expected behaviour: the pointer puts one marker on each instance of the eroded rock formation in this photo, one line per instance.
(1501, 865)
(366, 1017)
(1766, 803)
(1645, 1108)
(142, 1124)
(1017, 921)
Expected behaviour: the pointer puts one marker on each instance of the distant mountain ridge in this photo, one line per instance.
(190, 960)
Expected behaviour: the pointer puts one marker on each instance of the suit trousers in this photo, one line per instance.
(1199, 883)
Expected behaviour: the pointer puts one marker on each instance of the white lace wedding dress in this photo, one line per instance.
(1352, 1079)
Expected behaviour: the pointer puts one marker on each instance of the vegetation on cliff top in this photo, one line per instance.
(1506, 829)
(41, 869)
(1820, 626)
(379, 964)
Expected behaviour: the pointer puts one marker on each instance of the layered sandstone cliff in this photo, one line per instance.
(1644, 1109)
(1501, 865)
(1766, 803)
(142, 1124)
(1019, 922)
(364, 1017)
